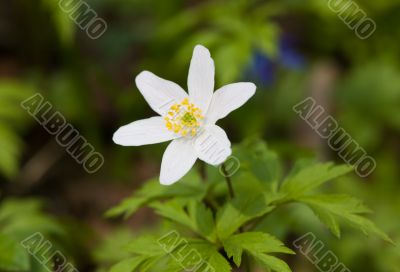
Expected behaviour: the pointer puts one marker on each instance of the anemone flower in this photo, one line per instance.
(188, 119)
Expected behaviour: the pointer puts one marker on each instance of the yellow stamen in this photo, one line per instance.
(183, 118)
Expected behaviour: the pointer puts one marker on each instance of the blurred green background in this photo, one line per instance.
(291, 49)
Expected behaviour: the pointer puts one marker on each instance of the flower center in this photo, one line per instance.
(184, 118)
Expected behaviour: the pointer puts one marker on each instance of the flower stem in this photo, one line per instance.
(203, 171)
(228, 182)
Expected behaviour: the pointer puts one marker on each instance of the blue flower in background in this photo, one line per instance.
(289, 56)
(263, 69)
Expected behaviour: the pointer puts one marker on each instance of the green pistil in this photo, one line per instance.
(188, 118)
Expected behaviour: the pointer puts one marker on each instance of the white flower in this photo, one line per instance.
(186, 119)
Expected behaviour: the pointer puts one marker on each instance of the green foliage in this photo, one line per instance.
(109, 250)
(12, 117)
(258, 245)
(210, 254)
(233, 36)
(13, 256)
(331, 207)
(264, 163)
(129, 264)
(65, 26)
(19, 219)
(150, 255)
(192, 214)
(239, 211)
(11, 151)
(373, 89)
(310, 178)
(190, 187)
(214, 224)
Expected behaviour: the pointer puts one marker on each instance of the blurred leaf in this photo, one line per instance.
(175, 211)
(128, 265)
(211, 255)
(272, 262)
(230, 60)
(22, 218)
(151, 254)
(193, 214)
(330, 207)
(12, 93)
(262, 162)
(145, 245)
(64, 24)
(13, 256)
(311, 177)
(372, 90)
(231, 36)
(267, 34)
(12, 117)
(238, 211)
(11, 148)
(148, 253)
(110, 250)
(189, 187)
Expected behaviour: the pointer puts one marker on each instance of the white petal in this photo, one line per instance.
(178, 159)
(159, 93)
(212, 145)
(142, 132)
(228, 99)
(201, 78)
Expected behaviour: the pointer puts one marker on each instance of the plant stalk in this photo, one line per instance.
(228, 182)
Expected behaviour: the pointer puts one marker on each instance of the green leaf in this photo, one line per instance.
(258, 245)
(150, 263)
(233, 56)
(328, 219)
(146, 245)
(310, 178)
(153, 253)
(239, 211)
(12, 117)
(267, 39)
(110, 250)
(11, 95)
(262, 162)
(13, 256)
(330, 208)
(172, 253)
(211, 255)
(175, 211)
(192, 214)
(169, 265)
(37, 266)
(65, 25)
(272, 262)
(128, 265)
(190, 187)
(21, 218)
(253, 242)
(11, 148)
(203, 220)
